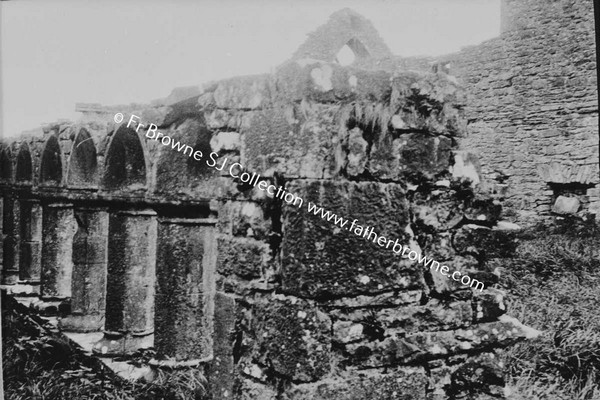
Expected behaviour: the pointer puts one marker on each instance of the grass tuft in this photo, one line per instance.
(553, 283)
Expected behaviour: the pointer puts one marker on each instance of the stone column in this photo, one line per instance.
(221, 372)
(185, 287)
(30, 263)
(11, 222)
(58, 228)
(129, 316)
(90, 259)
(2, 235)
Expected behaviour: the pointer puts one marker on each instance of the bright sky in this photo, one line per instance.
(55, 54)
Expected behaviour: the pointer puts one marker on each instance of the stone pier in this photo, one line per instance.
(30, 265)
(90, 259)
(11, 218)
(58, 228)
(2, 235)
(185, 285)
(129, 315)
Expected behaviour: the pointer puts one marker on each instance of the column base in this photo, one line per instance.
(81, 323)
(23, 289)
(173, 364)
(10, 277)
(121, 344)
(51, 307)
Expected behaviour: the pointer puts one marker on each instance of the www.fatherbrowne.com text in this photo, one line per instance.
(237, 170)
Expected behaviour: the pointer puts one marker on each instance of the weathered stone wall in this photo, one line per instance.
(533, 105)
(275, 302)
(322, 313)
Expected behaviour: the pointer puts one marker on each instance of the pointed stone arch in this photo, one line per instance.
(6, 166)
(83, 161)
(51, 165)
(125, 163)
(24, 170)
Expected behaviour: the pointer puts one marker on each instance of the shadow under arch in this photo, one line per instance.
(51, 165)
(83, 161)
(125, 163)
(6, 167)
(177, 169)
(24, 170)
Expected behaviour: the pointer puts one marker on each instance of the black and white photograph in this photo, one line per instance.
(299, 200)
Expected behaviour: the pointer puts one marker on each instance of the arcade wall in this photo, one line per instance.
(265, 299)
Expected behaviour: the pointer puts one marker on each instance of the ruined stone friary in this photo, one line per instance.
(124, 237)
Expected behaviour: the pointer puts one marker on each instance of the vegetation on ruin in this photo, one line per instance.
(553, 283)
(41, 365)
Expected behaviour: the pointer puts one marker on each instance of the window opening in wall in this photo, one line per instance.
(352, 51)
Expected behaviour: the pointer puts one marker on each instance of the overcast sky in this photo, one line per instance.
(55, 54)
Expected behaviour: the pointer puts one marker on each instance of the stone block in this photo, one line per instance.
(480, 376)
(225, 141)
(476, 376)
(489, 305)
(245, 258)
(291, 142)
(413, 156)
(441, 284)
(357, 153)
(245, 92)
(292, 337)
(438, 246)
(246, 389)
(421, 156)
(217, 118)
(438, 210)
(375, 324)
(370, 85)
(423, 346)
(245, 219)
(178, 173)
(386, 299)
(483, 242)
(428, 102)
(483, 210)
(566, 205)
(435, 315)
(320, 258)
(397, 384)
(466, 167)
(347, 331)
(384, 160)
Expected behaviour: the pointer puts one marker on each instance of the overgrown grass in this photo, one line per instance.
(40, 365)
(553, 283)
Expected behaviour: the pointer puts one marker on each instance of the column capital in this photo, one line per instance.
(188, 221)
(59, 205)
(144, 212)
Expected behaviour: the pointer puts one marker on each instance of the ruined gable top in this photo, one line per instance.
(344, 28)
